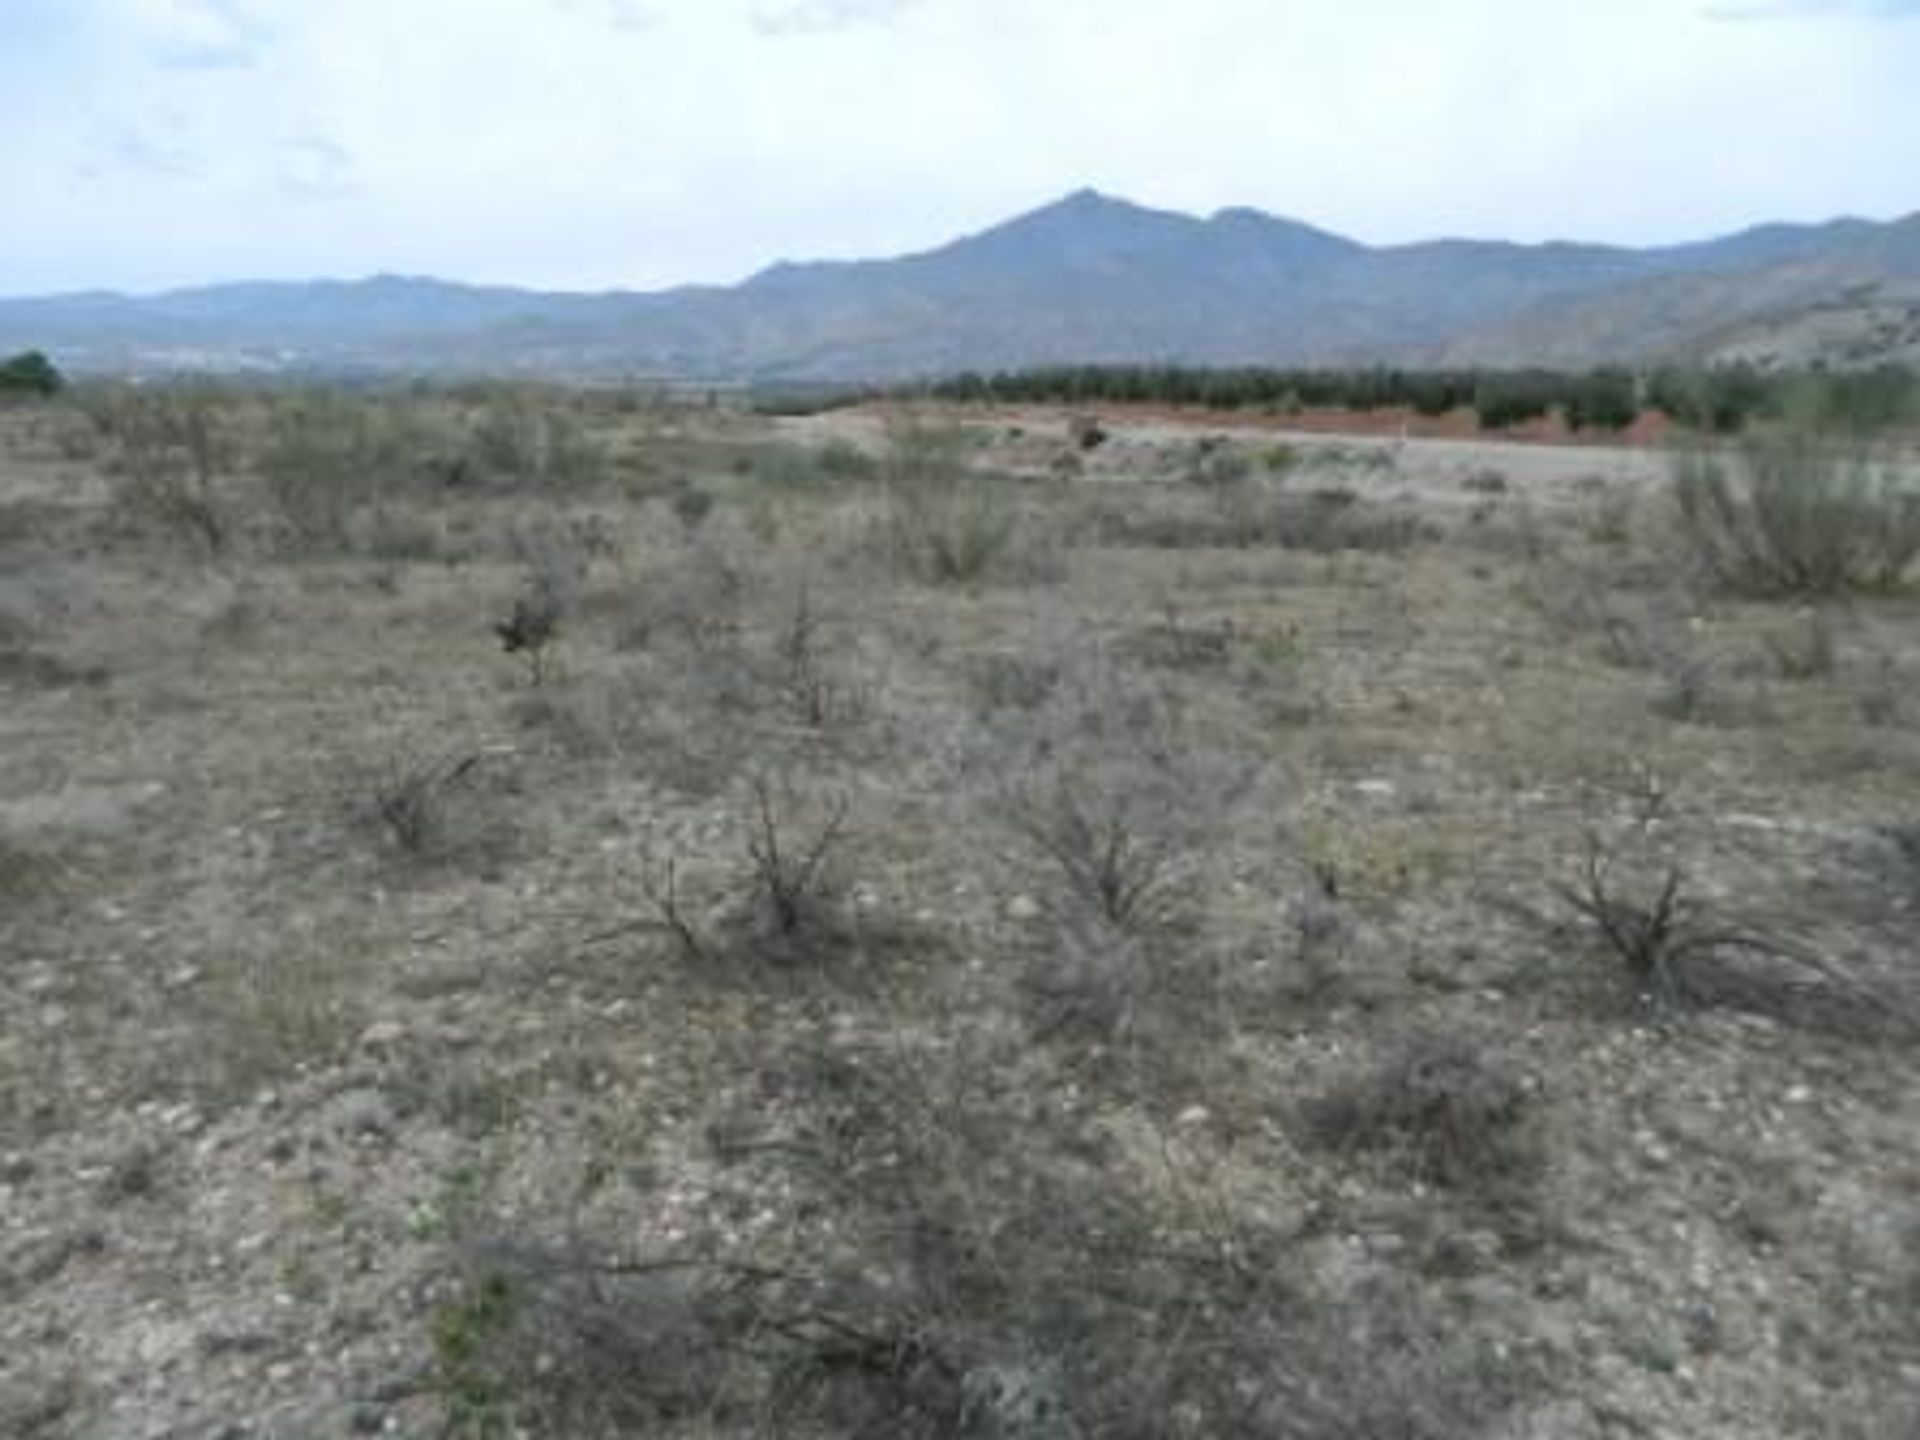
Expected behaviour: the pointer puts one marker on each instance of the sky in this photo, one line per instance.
(597, 144)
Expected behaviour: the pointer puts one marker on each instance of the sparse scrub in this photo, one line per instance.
(27, 873)
(1217, 465)
(1797, 513)
(951, 536)
(1450, 1116)
(265, 1014)
(1103, 843)
(324, 459)
(947, 524)
(1254, 514)
(521, 438)
(818, 693)
(171, 450)
(1651, 918)
(1142, 1008)
(794, 907)
(413, 802)
(556, 575)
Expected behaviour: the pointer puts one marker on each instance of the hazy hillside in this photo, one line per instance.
(1088, 278)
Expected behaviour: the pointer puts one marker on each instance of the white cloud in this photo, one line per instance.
(823, 17)
(643, 142)
(200, 34)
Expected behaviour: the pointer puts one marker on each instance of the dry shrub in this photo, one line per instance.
(171, 452)
(1442, 1111)
(533, 437)
(326, 459)
(434, 809)
(1793, 512)
(1255, 514)
(943, 522)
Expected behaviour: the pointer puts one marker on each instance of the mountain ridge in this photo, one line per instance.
(1087, 278)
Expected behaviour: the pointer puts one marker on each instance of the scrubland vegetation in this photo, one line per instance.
(564, 914)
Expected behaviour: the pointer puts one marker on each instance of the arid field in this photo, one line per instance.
(567, 914)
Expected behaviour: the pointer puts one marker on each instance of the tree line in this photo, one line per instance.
(1721, 399)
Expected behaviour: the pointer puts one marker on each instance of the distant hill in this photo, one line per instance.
(1088, 279)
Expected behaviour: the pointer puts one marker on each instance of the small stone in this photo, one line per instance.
(1193, 1116)
(1799, 1095)
(1023, 908)
(382, 1035)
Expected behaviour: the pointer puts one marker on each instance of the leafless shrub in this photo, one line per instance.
(792, 911)
(436, 809)
(557, 1339)
(1653, 927)
(1103, 841)
(1180, 645)
(1002, 680)
(1056, 1295)
(695, 600)
(1642, 907)
(818, 693)
(1093, 979)
(1447, 1113)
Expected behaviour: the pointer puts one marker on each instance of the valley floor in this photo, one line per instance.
(958, 931)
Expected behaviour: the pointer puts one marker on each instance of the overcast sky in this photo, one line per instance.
(586, 144)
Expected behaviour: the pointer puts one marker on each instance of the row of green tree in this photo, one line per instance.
(1723, 399)
(29, 373)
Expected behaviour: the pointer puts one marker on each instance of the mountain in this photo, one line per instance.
(1089, 278)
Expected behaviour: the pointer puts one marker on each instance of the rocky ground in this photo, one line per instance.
(950, 929)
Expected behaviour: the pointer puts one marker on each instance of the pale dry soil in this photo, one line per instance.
(275, 1085)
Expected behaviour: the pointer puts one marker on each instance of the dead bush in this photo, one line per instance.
(790, 909)
(1676, 948)
(437, 809)
(1049, 1293)
(1101, 834)
(1440, 1109)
